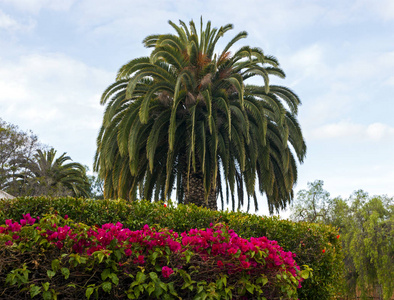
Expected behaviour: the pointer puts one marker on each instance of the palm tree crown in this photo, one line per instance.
(185, 118)
(45, 175)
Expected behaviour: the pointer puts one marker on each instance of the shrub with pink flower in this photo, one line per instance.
(180, 263)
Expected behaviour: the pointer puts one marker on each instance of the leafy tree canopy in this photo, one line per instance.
(367, 232)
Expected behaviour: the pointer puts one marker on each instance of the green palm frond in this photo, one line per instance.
(184, 113)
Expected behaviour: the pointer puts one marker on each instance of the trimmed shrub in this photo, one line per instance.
(314, 245)
(58, 257)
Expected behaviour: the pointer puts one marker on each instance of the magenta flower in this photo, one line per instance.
(245, 264)
(166, 271)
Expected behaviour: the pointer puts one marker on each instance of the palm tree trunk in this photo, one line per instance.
(196, 192)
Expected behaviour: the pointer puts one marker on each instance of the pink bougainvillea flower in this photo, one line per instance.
(166, 271)
(8, 243)
(245, 264)
(220, 263)
(59, 245)
(65, 217)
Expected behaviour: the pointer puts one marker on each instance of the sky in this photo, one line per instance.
(58, 56)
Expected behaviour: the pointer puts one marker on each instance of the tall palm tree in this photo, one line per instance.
(45, 175)
(184, 117)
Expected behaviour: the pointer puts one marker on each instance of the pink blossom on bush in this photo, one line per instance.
(166, 271)
(213, 246)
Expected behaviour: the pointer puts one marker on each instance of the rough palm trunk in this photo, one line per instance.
(196, 192)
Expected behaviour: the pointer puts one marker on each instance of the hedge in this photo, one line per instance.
(317, 246)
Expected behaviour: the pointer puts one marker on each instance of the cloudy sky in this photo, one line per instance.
(58, 56)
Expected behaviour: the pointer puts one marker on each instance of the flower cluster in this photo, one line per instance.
(218, 247)
(236, 254)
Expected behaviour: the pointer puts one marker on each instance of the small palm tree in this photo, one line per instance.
(45, 175)
(185, 118)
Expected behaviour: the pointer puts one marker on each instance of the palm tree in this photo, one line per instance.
(184, 118)
(45, 175)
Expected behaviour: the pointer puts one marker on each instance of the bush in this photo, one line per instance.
(60, 257)
(314, 245)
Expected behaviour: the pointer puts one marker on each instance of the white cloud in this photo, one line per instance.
(384, 8)
(379, 131)
(35, 6)
(58, 98)
(352, 132)
(10, 24)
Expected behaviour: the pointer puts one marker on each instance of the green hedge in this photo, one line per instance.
(317, 246)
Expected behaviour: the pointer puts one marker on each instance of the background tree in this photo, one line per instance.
(367, 232)
(15, 146)
(312, 204)
(184, 117)
(46, 175)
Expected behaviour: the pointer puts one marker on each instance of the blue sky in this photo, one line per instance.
(58, 56)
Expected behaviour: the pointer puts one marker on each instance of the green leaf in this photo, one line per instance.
(65, 272)
(114, 278)
(305, 274)
(105, 274)
(100, 256)
(89, 292)
(51, 273)
(150, 289)
(140, 277)
(34, 290)
(55, 265)
(45, 286)
(107, 286)
(118, 254)
(47, 295)
(153, 276)
(249, 288)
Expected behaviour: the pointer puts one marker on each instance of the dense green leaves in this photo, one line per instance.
(366, 231)
(305, 239)
(183, 115)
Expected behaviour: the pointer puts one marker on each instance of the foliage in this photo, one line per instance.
(312, 205)
(214, 263)
(27, 169)
(15, 146)
(306, 240)
(369, 244)
(46, 175)
(96, 187)
(185, 117)
(367, 234)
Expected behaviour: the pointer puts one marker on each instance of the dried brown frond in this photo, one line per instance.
(164, 98)
(224, 57)
(202, 60)
(190, 99)
(225, 73)
(205, 81)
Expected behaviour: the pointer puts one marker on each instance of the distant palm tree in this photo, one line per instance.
(45, 175)
(184, 117)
